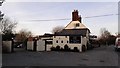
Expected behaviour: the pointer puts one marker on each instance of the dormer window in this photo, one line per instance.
(77, 25)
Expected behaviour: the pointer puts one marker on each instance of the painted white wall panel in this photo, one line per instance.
(30, 45)
(40, 45)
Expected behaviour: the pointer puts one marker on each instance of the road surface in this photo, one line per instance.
(102, 56)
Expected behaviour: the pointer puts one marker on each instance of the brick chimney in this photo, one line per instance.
(75, 16)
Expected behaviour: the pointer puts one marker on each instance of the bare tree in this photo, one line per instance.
(105, 33)
(105, 36)
(25, 32)
(57, 29)
(1, 1)
(22, 35)
(7, 26)
(1, 16)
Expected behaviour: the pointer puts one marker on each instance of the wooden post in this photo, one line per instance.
(45, 46)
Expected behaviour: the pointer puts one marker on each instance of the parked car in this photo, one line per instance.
(19, 46)
(117, 44)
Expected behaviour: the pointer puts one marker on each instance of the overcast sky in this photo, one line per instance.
(29, 14)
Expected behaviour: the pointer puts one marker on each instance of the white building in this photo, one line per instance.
(75, 35)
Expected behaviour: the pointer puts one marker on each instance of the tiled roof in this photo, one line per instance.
(46, 35)
(73, 32)
(71, 25)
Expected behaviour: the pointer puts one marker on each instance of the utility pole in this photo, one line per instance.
(1, 15)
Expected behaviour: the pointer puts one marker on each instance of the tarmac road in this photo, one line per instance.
(102, 56)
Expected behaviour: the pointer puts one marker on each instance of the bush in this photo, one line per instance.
(66, 48)
(57, 48)
(62, 49)
(75, 49)
(89, 46)
(52, 48)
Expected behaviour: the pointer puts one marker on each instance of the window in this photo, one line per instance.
(57, 41)
(75, 39)
(62, 41)
(77, 24)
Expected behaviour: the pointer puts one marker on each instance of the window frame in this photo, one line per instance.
(75, 39)
(77, 25)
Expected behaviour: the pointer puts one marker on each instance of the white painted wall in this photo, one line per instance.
(65, 39)
(40, 45)
(71, 45)
(30, 45)
(75, 45)
(60, 38)
(49, 47)
(8, 45)
(84, 41)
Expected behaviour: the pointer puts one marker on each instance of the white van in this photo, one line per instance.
(117, 44)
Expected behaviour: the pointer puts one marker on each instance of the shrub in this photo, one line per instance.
(75, 49)
(57, 48)
(62, 49)
(52, 48)
(66, 48)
